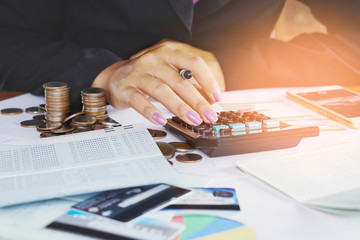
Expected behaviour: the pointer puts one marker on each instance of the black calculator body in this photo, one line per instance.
(240, 132)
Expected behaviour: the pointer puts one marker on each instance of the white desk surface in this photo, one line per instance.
(271, 214)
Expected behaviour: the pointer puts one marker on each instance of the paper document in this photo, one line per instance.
(327, 177)
(80, 163)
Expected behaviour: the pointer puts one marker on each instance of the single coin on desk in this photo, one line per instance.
(189, 158)
(182, 146)
(166, 149)
(157, 134)
(11, 111)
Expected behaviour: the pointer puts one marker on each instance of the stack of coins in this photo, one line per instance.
(57, 119)
(94, 103)
(57, 101)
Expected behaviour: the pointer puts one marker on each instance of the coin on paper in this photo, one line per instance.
(63, 129)
(47, 126)
(72, 116)
(34, 110)
(157, 134)
(11, 111)
(189, 158)
(30, 123)
(110, 122)
(98, 126)
(182, 146)
(83, 121)
(40, 117)
(47, 134)
(166, 149)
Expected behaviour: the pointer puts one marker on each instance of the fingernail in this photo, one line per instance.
(217, 95)
(194, 117)
(159, 118)
(211, 115)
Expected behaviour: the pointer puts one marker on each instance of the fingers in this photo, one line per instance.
(155, 72)
(179, 59)
(133, 95)
(139, 102)
(185, 91)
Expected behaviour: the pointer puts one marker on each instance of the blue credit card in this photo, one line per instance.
(129, 203)
(207, 199)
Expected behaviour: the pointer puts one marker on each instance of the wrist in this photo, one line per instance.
(102, 79)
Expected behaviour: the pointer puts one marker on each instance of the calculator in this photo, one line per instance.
(238, 132)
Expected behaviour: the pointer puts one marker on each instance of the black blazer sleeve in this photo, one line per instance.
(342, 19)
(34, 49)
(306, 60)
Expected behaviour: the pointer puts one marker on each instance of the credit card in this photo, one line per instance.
(129, 203)
(207, 199)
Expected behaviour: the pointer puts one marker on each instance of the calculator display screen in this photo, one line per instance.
(341, 101)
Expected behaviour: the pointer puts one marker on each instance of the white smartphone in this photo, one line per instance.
(336, 102)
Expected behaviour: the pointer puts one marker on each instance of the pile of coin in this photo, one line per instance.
(57, 102)
(57, 119)
(94, 103)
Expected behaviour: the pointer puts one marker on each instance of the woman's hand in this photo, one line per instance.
(154, 72)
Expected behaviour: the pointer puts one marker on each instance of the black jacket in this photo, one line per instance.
(74, 40)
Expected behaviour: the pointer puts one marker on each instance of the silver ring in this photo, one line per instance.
(186, 74)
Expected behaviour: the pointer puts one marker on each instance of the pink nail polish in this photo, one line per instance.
(217, 95)
(211, 115)
(159, 118)
(194, 117)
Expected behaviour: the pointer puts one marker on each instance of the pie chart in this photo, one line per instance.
(206, 227)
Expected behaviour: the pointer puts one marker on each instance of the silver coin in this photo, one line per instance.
(42, 106)
(30, 123)
(63, 129)
(55, 85)
(40, 117)
(47, 126)
(102, 117)
(189, 158)
(182, 146)
(157, 134)
(72, 116)
(93, 91)
(110, 122)
(47, 134)
(81, 129)
(11, 111)
(83, 120)
(166, 149)
(34, 110)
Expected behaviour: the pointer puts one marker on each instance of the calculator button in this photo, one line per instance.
(237, 126)
(271, 123)
(219, 127)
(253, 125)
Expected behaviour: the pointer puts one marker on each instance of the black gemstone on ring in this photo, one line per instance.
(186, 74)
